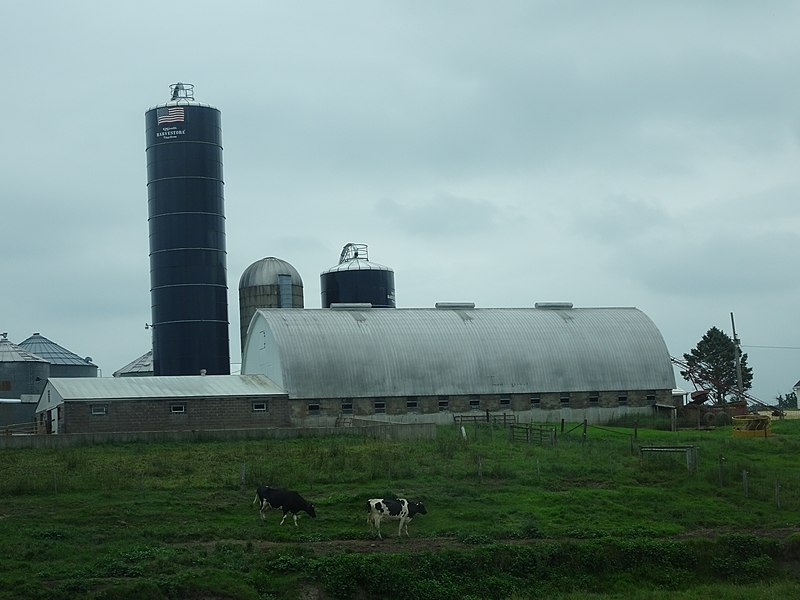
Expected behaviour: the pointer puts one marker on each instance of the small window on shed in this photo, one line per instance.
(444, 403)
(505, 402)
(259, 406)
(313, 409)
(594, 397)
(536, 400)
(622, 399)
(379, 406)
(474, 402)
(5, 385)
(99, 410)
(411, 404)
(564, 398)
(651, 397)
(347, 406)
(177, 409)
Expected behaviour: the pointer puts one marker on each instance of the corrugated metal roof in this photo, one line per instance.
(140, 366)
(10, 352)
(52, 352)
(324, 353)
(125, 388)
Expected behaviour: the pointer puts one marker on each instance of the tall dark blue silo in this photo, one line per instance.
(188, 259)
(357, 280)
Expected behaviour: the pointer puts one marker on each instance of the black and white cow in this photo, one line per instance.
(400, 509)
(288, 500)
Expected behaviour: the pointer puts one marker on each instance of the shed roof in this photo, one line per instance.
(456, 349)
(185, 386)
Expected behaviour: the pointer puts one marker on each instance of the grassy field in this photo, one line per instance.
(582, 519)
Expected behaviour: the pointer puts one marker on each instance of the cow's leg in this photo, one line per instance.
(295, 519)
(377, 522)
(263, 508)
(400, 529)
(284, 517)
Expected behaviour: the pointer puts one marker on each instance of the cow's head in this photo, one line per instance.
(311, 510)
(420, 508)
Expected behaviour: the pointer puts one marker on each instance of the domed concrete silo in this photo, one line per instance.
(63, 363)
(357, 280)
(21, 372)
(268, 283)
(186, 216)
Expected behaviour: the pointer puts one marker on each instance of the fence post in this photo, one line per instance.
(744, 483)
(562, 425)
(777, 495)
(585, 424)
(721, 460)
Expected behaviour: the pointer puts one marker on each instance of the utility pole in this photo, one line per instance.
(737, 350)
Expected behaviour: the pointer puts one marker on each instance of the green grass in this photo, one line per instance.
(506, 520)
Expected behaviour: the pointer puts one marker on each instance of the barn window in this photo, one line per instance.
(536, 400)
(594, 397)
(5, 385)
(313, 409)
(411, 405)
(651, 397)
(347, 406)
(99, 410)
(444, 402)
(564, 397)
(259, 407)
(379, 406)
(177, 409)
(622, 399)
(505, 402)
(474, 402)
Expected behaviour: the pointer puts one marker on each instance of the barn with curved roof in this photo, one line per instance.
(355, 359)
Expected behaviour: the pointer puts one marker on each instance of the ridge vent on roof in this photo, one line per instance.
(455, 305)
(553, 305)
(350, 305)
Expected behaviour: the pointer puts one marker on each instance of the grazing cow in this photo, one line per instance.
(288, 500)
(401, 509)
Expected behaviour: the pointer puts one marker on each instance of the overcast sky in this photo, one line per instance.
(640, 154)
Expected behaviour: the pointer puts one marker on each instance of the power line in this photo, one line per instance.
(773, 347)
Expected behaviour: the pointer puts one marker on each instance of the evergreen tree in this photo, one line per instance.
(712, 365)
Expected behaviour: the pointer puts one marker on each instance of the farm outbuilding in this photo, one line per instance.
(425, 364)
(176, 403)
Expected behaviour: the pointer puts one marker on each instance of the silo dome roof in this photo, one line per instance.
(355, 257)
(10, 352)
(52, 352)
(266, 271)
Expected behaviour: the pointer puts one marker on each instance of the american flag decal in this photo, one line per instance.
(171, 114)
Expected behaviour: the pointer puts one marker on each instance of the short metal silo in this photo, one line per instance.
(357, 280)
(268, 283)
(21, 372)
(63, 362)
